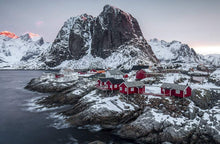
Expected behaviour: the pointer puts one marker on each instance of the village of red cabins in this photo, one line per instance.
(115, 80)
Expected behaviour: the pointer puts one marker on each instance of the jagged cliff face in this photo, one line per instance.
(96, 36)
(112, 28)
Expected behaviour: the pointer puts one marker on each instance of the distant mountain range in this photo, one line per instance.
(112, 39)
(21, 51)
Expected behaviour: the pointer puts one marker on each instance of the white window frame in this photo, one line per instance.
(115, 86)
(125, 89)
(132, 89)
(185, 92)
(120, 88)
(111, 86)
(177, 91)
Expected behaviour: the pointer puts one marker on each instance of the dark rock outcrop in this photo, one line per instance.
(112, 28)
(46, 86)
(99, 36)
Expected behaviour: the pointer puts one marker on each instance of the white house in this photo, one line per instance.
(117, 74)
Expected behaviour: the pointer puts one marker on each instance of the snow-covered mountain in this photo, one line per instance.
(20, 52)
(174, 51)
(111, 39)
(177, 52)
(213, 59)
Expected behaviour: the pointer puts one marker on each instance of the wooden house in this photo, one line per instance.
(102, 81)
(113, 84)
(117, 74)
(93, 71)
(141, 74)
(139, 67)
(136, 87)
(170, 89)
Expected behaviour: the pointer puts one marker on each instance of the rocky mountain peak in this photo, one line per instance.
(110, 9)
(30, 37)
(96, 36)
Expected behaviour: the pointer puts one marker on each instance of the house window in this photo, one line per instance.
(110, 86)
(177, 91)
(120, 88)
(125, 89)
(132, 89)
(115, 86)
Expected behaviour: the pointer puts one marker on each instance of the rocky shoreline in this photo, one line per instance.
(144, 119)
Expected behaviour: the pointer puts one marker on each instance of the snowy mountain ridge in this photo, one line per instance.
(85, 39)
(177, 52)
(173, 51)
(20, 51)
(113, 39)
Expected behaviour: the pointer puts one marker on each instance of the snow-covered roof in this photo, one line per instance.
(115, 72)
(116, 81)
(139, 67)
(134, 84)
(105, 79)
(173, 86)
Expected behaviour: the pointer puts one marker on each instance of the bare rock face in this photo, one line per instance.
(97, 36)
(112, 28)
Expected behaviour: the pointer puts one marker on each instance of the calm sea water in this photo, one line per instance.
(21, 123)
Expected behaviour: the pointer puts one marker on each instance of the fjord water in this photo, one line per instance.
(18, 125)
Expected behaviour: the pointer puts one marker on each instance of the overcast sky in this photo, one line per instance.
(195, 22)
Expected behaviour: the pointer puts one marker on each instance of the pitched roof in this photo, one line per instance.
(139, 67)
(125, 70)
(116, 81)
(134, 84)
(115, 72)
(105, 79)
(173, 86)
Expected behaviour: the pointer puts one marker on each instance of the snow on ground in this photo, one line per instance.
(160, 117)
(216, 74)
(77, 92)
(172, 77)
(66, 78)
(113, 103)
(152, 89)
(198, 72)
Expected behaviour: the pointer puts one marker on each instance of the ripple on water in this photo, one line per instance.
(59, 121)
(91, 128)
(32, 106)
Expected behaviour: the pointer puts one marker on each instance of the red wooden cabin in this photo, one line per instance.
(93, 71)
(102, 81)
(113, 84)
(132, 87)
(141, 74)
(170, 89)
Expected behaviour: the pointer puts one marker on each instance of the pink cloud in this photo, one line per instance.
(39, 23)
